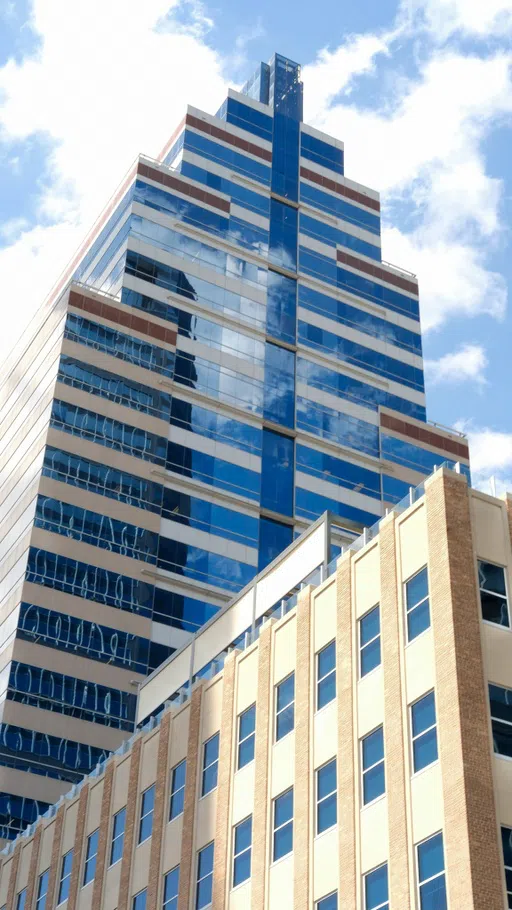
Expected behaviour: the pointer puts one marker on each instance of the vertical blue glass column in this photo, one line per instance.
(277, 473)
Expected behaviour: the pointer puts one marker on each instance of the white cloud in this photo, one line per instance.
(109, 80)
(467, 364)
(470, 17)
(490, 456)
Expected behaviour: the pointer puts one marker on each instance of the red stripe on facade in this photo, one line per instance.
(340, 189)
(377, 271)
(423, 434)
(180, 184)
(122, 317)
(217, 133)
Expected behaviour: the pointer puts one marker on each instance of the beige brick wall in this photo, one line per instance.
(302, 791)
(131, 826)
(33, 873)
(187, 859)
(78, 847)
(394, 737)
(11, 893)
(347, 747)
(472, 854)
(221, 869)
(160, 815)
(104, 835)
(53, 881)
(263, 738)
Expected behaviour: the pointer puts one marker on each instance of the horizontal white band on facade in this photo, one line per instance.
(214, 448)
(204, 540)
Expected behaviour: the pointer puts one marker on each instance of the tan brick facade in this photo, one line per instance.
(160, 815)
(347, 771)
(33, 875)
(12, 890)
(55, 864)
(260, 819)
(104, 835)
(131, 827)
(76, 868)
(302, 788)
(221, 869)
(472, 856)
(394, 738)
(187, 860)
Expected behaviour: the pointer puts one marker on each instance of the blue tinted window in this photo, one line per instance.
(412, 456)
(277, 473)
(242, 851)
(117, 344)
(187, 613)
(281, 307)
(147, 808)
(204, 881)
(247, 118)
(187, 210)
(255, 202)
(94, 278)
(285, 706)
(369, 641)
(319, 266)
(326, 797)
(42, 890)
(210, 568)
(337, 471)
(215, 425)
(235, 161)
(417, 604)
(359, 319)
(431, 875)
(283, 825)
(118, 826)
(122, 391)
(21, 900)
(285, 155)
(376, 889)
(114, 220)
(279, 386)
(374, 783)
(338, 206)
(171, 889)
(326, 675)
(274, 538)
(335, 237)
(225, 384)
(424, 732)
(139, 901)
(501, 719)
(321, 152)
(91, 582)
(213, 471)
(178, 780)
(210, 517)
(246, 733)
(283, 235)
(91, 856)
(506, 839)
(379, 293)
(16, 813)
(311, 505)
(338, 427)
(393, 490)
(210, 764)
(328, 903)
(493, 593)
(65, 877)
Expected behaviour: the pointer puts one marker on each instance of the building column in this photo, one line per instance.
(302, 787)
(11, 891)
(33, 876)
(187, 864)
(221, 869)
(394, 738)
(346, 767)
(130, 826)
(161, 813)
(78, 847)
(260, 851)
(103, 838)
(472, 853)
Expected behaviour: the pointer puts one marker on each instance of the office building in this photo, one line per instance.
(226, 358)
(351, 752)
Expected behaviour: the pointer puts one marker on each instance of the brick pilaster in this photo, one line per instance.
(160, 816)
(302, 787)
(33, 876)
(260, 853)
(11, 890)
(56, 860)
(346, 768)
(394, 739)
(472, 852)
(221, 870)
(78, 847)
(187, 864)
(130, 826)
(103, 837)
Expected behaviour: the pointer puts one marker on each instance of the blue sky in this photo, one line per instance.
(419, 90)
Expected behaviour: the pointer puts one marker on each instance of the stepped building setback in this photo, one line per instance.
(227, 358)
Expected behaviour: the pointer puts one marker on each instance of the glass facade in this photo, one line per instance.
(220, 374)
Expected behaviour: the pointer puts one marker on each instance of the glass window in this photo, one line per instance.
(242, 851)
(328, 903)
(65, 876)
(493, 593)
(171, 887)
(283, 825)
(139, 901)
(178, 777)
(417, 604)
(22, 899)
(281, 307)
(274, 538)
(326, 797)
(501, 719)
(424, 731)
(42, 890)
(374, 780)
(369, 641)
(506, 840)
(147, 807)
(326, 675)
(91, 856)
(118, 826)
(204, 879)
(210, 764)
(277, 473)
(246, 733)
(431, 877)
(283, 235)
(285, 706)
(376, 889)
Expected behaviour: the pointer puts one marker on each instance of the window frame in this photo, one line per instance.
(62, 877)
(288, 821)
(319, 902)
(174, 792)
(240, 741)
(414, 738)
(322, 679)
(115, 837)
(206, 767)
(240, 853)
(21, 899)
(167, 902)
(277, 712)
(90, 859)
(362, 647)
(408, 612)
(505, 598)
(385, 904)
(498, 720)
(432, 878)
(39, 883)
(381, 761)
(319, 801)
(135, 897)
(199, 880)
(505, 867)
(144, 815)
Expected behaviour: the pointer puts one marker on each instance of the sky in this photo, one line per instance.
(420, 91)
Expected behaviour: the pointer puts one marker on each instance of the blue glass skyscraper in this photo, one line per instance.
(227, 357)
